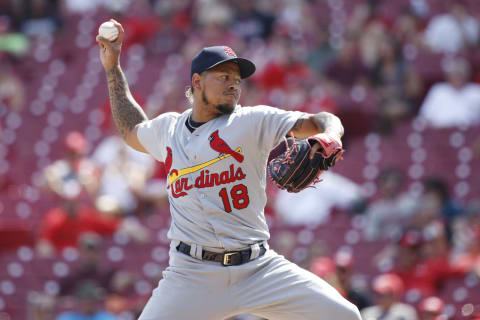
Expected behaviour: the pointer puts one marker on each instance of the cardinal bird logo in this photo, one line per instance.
(168, 160)
(229, 51)
(219, 145)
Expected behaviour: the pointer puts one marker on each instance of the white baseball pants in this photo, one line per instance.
(269, 286)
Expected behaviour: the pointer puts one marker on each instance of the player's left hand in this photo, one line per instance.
(296, 169)
(317, 146)
(326, 144)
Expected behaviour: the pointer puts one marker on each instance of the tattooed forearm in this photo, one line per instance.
(126, 112)
(298, 125)
(327, 122)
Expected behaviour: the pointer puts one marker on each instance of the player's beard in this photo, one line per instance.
(225, 108)
(222, 109)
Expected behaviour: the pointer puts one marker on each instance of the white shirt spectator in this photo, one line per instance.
(444, 33)
(446, 106)
(385, 218)
(396, 312)
(124, 171)
(313, 205)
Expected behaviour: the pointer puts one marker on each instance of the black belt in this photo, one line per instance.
(227, 258)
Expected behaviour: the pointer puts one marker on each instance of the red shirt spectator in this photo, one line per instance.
(140, 29)
(424, 275)
(429, 275)
(276, 75)
(62, 226)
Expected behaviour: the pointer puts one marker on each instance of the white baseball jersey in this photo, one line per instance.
(217, 173)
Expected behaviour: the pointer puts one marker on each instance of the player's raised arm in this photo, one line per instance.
(324, 127)
(125, 110)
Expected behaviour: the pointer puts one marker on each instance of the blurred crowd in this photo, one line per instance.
(377, 64)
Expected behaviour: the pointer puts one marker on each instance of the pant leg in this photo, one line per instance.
(190, 289)
(275, 288)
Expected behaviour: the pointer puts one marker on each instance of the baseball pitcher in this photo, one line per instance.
(216, 157)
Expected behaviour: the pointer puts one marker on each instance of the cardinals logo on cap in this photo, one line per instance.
(229, 51)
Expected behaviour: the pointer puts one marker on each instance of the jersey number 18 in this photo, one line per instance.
(239, 195)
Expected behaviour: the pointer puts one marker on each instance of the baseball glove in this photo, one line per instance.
(293, 170)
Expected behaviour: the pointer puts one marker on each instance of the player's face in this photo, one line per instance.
(221, 87)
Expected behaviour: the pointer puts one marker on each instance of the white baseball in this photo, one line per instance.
(108, 31)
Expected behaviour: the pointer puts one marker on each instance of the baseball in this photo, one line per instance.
(108, 31)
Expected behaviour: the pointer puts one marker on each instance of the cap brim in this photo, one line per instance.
(247, 67)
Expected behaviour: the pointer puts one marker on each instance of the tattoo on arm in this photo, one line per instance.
(126, 112)
(298, 124)
(327, 122)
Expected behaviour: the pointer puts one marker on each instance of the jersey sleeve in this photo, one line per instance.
(152, 134)
(273, 124)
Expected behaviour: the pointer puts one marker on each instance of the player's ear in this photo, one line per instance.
(196, 79)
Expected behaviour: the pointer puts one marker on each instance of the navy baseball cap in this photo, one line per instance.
(213, 56)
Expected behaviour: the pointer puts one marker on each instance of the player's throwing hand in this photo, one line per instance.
(110, 51)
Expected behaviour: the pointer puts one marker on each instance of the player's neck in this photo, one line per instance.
(200, 113)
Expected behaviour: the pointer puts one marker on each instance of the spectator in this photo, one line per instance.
(124, 172)
(40, 306)
(142, 28)
(388, 289)
(394, 84)
(436, 245)
(250, 22)
(388, 71)
(465, 228)
(37, 17)
(314, 205)
(123, 296)
(421, 273)
(324, 267)
(407, 28)
(453, 31)
(431, 308)
(469, 237)
(413, 89)
(214, 18)
(322, 53)
(90, 268)
(318, 248)
(283, 242)
(12, 89)
(386, 217)
(429, 210)
(286, 70)
(344, 269)
(62, 226)
(88, 305)
(154, 195)
(455, 102)
(362, 13)
(75, 176)
(436, 189)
